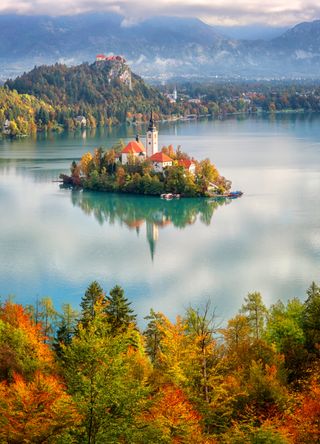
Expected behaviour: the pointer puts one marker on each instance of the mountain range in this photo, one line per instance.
(157, 48)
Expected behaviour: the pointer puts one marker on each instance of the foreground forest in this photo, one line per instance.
(94, 377)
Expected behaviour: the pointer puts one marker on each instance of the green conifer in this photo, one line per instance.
(120, 314)
(93, 294)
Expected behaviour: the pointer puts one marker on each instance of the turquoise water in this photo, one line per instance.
(167, 255)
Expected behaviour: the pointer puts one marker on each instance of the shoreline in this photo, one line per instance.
(190, 118)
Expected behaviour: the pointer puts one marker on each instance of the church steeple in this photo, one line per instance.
(152, 137)
(152, 126)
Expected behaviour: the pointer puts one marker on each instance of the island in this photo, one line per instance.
(144, 169)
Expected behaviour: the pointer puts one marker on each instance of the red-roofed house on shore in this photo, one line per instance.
(188, 165)
(134, 150)
(160, 161)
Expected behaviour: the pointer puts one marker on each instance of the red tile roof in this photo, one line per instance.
(160, 157)
(134, 147)
(186, 163)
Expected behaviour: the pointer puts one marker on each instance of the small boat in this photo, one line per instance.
(234, 194)
(169, 196)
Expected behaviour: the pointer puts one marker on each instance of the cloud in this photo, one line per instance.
(222, 12)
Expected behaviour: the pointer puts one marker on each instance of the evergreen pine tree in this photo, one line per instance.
(311, 318)
(120, 314)
(63, 336)
(93, 294)
(66, 329)
(153, 335)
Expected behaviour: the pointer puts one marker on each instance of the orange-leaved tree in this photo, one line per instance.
(22, 344)
(33, 402)
(174, 416)
(36, 411)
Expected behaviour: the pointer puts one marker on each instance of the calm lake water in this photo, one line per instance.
(167, 255)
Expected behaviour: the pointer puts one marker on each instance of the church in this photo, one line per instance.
(135, 149)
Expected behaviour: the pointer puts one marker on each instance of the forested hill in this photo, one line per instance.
(104, 91)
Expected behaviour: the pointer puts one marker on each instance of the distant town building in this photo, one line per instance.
(172, 97)
(81, 120)
(6, 127)
(196, 101)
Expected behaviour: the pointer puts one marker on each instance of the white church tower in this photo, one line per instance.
(152, 138)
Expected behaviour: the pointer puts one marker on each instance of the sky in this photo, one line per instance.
(215, 12)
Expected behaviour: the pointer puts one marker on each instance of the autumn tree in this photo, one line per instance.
(47, 316)
(200, 328)
(35, 411)
(22, 345)
(304, 422)
(255, 311)
(85, 163)
(175, 418)
(34, 405)
(284, 330)
(107, 379)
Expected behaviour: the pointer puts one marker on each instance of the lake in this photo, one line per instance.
(167, 255)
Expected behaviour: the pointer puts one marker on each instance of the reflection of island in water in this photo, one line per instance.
(135, 211)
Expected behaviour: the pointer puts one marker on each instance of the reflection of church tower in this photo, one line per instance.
(152, 138)
(175, 93)
(152, 236)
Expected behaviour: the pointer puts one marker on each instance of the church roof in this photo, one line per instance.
(160, 157)
(134, 147)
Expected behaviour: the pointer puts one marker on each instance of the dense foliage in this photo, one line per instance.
(22, 114)
(99, 379)
(103, 171)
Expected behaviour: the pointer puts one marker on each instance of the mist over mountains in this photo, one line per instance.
(160, 47)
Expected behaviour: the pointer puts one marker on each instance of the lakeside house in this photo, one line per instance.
(81, 121)
(6, 127)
